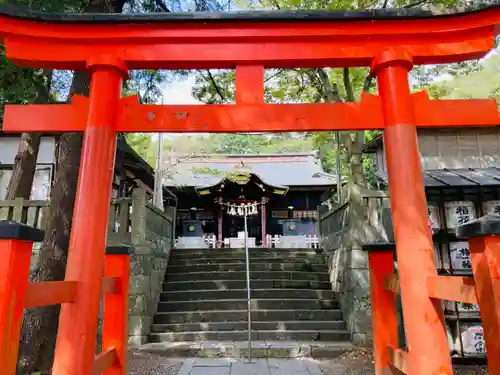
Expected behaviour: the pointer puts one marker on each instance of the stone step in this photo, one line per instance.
(259, 326)
(241, 284)
(234, 267)
(194, 295)
(260, 349)
(224, 253)
(240, 275)
(317, 259)
(239, 304)
(241, 316)
(202, 336)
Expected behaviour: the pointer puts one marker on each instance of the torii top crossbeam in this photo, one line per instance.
(242, 40)
(389, 41)
(225, 40)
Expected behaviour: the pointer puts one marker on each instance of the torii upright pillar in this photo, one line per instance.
(428, 348)
(76, 339)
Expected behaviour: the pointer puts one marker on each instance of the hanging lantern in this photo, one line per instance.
(232, 211)
(240, 211)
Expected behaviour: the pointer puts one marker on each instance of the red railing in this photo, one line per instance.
(483, 289)
(17, 294)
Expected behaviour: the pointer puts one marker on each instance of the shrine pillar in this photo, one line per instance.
(428, 348)
(220, 240)
(263, 221)
(76, 339)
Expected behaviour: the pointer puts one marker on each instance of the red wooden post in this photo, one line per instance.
(115, 322)
(249, 82)
(484, 240)
(76, 339)
(16, 246)
(428, 347)
(384, 314)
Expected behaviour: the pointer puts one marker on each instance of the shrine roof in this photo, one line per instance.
(286, 169)
(460, 177)
(247, 16)
(373, 145)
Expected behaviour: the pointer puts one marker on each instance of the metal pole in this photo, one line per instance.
(338, 163)
(158, 181)
(249, 297)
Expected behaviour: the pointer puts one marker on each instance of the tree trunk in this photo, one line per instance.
(23, 171)
(357, 170)
(39, 332)
(356, 159)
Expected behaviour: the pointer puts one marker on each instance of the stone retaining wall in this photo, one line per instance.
(151, 238)
(360, 219)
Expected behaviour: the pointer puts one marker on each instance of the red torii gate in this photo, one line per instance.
(389, 41)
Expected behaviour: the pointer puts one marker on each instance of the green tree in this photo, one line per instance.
(233, 143)
(23, 86)
(144, 145)
(332, 85)
(482, 83)
(40, 325)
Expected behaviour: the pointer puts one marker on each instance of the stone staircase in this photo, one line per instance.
(204, 298)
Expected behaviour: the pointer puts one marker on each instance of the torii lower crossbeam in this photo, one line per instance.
(365, 115)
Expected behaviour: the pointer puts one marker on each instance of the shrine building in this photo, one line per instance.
(283, 190)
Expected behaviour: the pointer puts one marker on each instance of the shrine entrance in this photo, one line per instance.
(388, 41)
(236, 189)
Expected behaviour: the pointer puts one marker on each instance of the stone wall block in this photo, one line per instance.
(358, 259)
(139, 304)
(137, 341)
(140, 265)
(138, 325)
(139, 284)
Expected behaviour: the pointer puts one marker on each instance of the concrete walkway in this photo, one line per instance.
(205, 366)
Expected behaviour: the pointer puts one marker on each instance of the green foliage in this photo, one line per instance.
(311, 86)
(199, 145)
(232, 143)
(144, 145)
(22, 85)
(206, 171)
(214, 87)
(483, 83)
(147, 83)
(18, 85)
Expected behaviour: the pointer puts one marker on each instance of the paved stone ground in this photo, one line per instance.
(357, 362)
(204, 366)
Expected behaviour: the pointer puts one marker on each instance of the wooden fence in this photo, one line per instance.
(129, 218)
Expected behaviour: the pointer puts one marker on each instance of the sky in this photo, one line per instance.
(180, 92)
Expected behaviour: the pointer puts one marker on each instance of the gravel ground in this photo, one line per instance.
(360, 362)
(140, 363)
